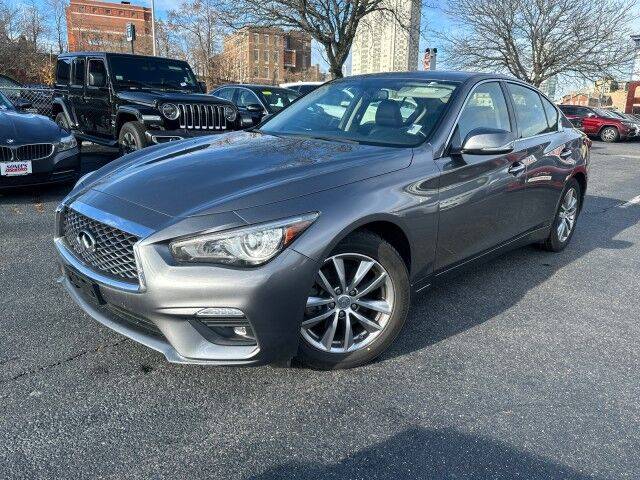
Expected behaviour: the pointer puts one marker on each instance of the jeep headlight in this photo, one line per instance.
(245, 246)
(170, 111)
(230, 113)
(67, 143)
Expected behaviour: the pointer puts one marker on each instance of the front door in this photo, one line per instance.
(76, 92)
(480, 196)
(97, 98)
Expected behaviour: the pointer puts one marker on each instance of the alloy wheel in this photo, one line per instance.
(128, 142)
(350, 304)
(609, 135)
(567, 215)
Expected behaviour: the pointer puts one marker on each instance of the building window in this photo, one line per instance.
(266, 39)
(275, 56)
(256, 38)
(266, 72)
(255, 71)
(265, 55)
(256, 55)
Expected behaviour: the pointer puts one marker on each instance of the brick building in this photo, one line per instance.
(267, 55)
(100, 26)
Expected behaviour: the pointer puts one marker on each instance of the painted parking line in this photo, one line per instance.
(634, 201)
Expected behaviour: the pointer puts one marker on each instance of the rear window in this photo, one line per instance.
(530, 114)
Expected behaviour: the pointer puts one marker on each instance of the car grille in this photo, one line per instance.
(6, 155)
(33, 151)
(113, 248)
(194, 116)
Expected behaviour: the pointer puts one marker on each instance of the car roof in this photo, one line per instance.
(256, 86)
(113, 54)
(443, 75)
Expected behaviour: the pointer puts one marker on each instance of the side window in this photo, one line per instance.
(247, 97)
(486, 107)
(552, 114)
(97, 73)
(568, 109)
(583, 112)
(226, 93)
(63, 71)
(78, 71)
(529, 111)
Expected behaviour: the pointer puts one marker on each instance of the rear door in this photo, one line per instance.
(551, 152)
(480, 195)
(76, 92)
(98, 98)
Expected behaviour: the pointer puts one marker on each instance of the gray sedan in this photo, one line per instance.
(308, 236)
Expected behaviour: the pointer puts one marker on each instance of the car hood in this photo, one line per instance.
(239, 170)
(150, 97)
(23, 128)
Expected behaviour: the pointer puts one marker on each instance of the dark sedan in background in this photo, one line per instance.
(306, 237)
(33, 149)
(254, 102)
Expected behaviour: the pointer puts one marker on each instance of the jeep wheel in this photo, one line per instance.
(132, 137)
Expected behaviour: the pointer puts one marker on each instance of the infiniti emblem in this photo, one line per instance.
(86, 241)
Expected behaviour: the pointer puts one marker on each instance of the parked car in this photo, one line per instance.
(308, 236)
(133, 101)
(601, 123)
(302, 87)
(38, 95)
(33, 149)
(254, 102)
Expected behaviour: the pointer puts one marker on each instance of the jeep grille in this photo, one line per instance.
(195, 116)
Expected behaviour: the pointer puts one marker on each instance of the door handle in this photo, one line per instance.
(517, 168)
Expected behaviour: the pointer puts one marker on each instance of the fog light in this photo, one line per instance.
(223, 312)
(240, 331)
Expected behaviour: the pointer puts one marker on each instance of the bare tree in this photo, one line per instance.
(199, 23)
(538, 39)
(332, 23)
(57, 16)
(33, 24)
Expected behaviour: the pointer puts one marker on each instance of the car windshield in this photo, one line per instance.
(4, 103)
(379, 111)
(606, 113)
(278, 98)
(151, 72)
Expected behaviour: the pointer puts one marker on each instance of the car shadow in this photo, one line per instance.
(419, 453)
(481, 293)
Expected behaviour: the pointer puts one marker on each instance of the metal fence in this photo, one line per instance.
(40, 98)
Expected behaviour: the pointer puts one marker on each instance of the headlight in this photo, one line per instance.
(170, 111)
(230, 113)
(246, 246)
(67, 143)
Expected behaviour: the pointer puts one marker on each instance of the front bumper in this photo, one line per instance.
(58, 167)
(161, 314)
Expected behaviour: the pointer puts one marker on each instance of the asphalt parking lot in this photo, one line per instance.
(527, 367)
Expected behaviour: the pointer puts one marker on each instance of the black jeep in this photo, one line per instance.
(133, 101)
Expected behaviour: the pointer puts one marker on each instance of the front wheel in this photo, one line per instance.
(132, 137)
(357, 306)
(566, 218)
(610, 134)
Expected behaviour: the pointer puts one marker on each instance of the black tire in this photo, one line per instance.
(132, 137)
(374, 247)
(553, 242)
(609, 134)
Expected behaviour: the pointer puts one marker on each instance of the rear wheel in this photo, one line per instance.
(357, 306)
(566, 218)
(132, 137)
(609, 134)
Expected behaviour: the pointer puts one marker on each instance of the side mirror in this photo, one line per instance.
(203, 87)
(488, 141)
(591, 115)
(254, 107)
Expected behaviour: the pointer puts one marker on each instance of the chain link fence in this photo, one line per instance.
(40, 98)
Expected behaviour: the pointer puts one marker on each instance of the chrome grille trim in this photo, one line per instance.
(114, 248)
(201, 116)
(34, 151)
(6, 154)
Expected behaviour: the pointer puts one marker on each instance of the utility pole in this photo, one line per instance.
(153, 26)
